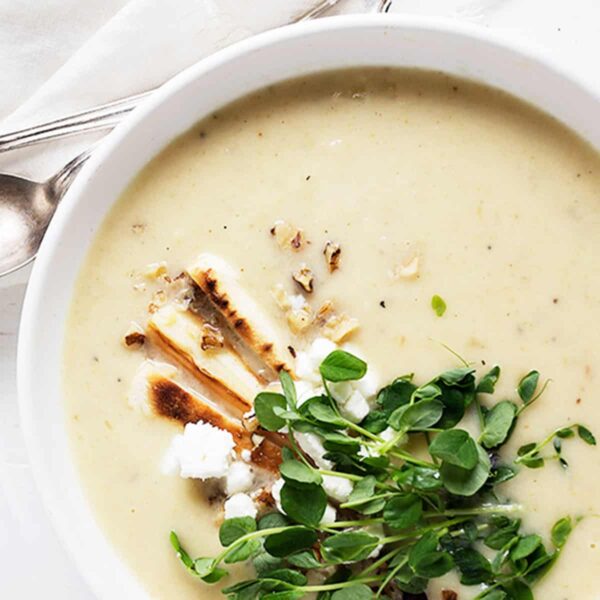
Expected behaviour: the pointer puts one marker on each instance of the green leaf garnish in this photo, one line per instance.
(527, 386)
(561, 531)
(466, 482)
(455, 447)
(297, 474)
(586, 435)
(438, 305)
(342, 366)
(487, 383)
(264, 405)
(304, 505)
(498, 424)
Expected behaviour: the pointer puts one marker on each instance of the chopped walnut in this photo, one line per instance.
(304, 278)
(326, 311)
(211, 337)
(338, 327)
(408, 269)
(288, 236)
(449, 595)
(138, 227)
(134, 336)
(298, 312)
(155, 270)
(250, 422)
(300, 319)
(159, 298)
(281, 297)
(332, 253)
(263, 499)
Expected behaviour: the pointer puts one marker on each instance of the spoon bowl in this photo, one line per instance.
(26, 208)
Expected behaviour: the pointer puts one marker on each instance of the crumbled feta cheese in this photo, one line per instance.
(329, 515)
(140, 384)
(368, 386)
(257, 439)
(388, 434)
(320, 349)
(276, 493)
(240, 505)
(377, 530)
(246, 455)
(356, 408)
(200, 452)
(338, 488)
(239, 478)
(297, 301)
(312, 445)
(308, 361)
(341, 391)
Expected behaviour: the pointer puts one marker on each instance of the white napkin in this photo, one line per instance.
(141, 45)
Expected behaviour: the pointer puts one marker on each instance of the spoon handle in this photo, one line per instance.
(101, 117)
(107, 116)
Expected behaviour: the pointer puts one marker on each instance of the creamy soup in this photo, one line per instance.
(500, 203)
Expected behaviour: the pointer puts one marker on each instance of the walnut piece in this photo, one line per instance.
(155, 270)
(159, 298)
(299, 320)
(338, 327)
(250, 422)
(332, 253)
(211, 337)
(134, 336)
(298, 312)
(449, 595)
(304, 278)
(408, 269)
(288, 236)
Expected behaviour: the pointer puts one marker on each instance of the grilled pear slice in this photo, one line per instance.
(218, 280)
(157, 393)
(180, 334)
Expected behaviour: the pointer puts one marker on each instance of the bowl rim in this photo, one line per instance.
(34, 297)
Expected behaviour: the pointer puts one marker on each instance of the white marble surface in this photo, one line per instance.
(33, 562)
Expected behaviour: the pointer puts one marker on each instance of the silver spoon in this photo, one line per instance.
(26, 208)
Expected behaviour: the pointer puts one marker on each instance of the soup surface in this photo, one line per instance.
(502, 206)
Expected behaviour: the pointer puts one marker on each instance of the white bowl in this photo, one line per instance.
(448, 46)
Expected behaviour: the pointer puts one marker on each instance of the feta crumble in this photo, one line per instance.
(200, 452)
(240, 505)
(337, 488)
(276, 493)
(313, 446)
(239, 478)
(329, 515)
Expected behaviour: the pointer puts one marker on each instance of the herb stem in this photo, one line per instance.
(482, 510)
(409, 458)
(352, 477)
(336, 586)
(422, 530)
(365, 500)
(380, 561)
(247, 537)
(344, 524)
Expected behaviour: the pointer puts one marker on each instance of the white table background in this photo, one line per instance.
(33, 564)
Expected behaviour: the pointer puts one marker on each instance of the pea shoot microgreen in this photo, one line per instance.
(437, 510)
(439, 305)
